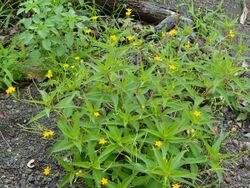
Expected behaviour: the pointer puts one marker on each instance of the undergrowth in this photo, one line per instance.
(133, 111)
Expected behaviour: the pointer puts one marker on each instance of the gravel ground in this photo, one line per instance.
(18, 146)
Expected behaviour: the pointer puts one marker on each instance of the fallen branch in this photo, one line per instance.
(143, 10)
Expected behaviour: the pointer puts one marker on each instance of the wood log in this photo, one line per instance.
(143, 10)
(150, 12)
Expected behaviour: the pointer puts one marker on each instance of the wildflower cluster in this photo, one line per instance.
(128, 11)
(46, 171)
(10, 90)
(133, 110)
(48, 133)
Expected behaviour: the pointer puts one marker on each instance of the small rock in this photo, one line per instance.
(235, 142)
(246, 146)
(22, 183)
(239, 124)
(247, 135)
(227, 180)
(8, 106)
(31, 178)
(9, 150)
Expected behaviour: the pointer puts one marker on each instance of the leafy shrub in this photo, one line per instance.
(11, 66)
(134, 112)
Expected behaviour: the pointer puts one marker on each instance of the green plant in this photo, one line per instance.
(8, 13)
(133, 112)
(11, 66)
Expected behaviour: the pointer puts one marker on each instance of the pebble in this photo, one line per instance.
(8, 106)
(31, 178)
(247, 135)
(235, 142)
(227, 180)
(247, 145)
(239, 124)
(9, 150)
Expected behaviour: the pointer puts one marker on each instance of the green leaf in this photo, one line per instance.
(41, 114)
(176, 161)
(69, 38)
(242, 117)
(127, 181)
(217, 144)
(43, 33)
(66, 103)
(66, 129)
(35, 56)
(159, 158)
(46, 43)
(65, 180)
(62, 145)
(26, 37)
(78, 144)
(108, 151)
(82, 164)
(60, 50)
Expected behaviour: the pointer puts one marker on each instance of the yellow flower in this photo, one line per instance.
(176, 185)
(46, 171)
(51, 133)
(94, 17)
(128, 11)
(87, 31)
(157, 58)
(72, 66)
(97, 114)
(231, 34)
(158, 144)
(197, 113)
(49, 74)
(48, 133)
(10, 90)
(192, 132)
(172, 67)
(66, 66)
(113, 38)
(172, 32)
(137, 43)
(102, 141)
(104, 181)
(163, 34)
(77, 58)
(188, 45)
(130, 38)
(78, 173)
(233, 130)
